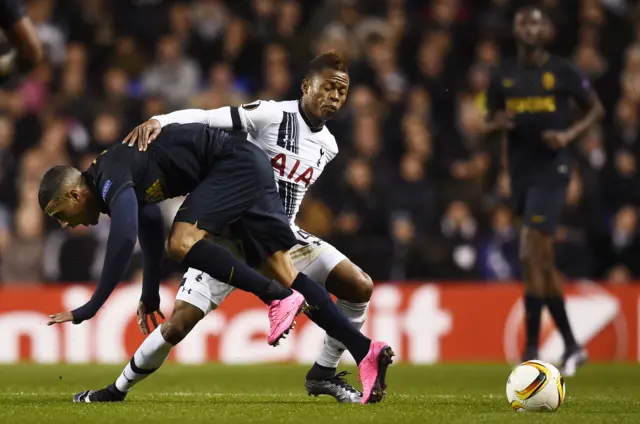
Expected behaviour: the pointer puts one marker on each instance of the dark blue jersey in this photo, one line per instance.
(173, 165)
(539, 97)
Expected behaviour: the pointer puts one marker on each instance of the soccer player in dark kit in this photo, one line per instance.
(529, 100)
(21, 33)
(230, 185)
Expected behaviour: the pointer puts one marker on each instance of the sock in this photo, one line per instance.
(149, 357)
(219, 263)
(333, 349)
(328, 316)
(559, 314)
(533, 312)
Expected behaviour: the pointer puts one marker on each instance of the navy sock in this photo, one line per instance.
(533, 312)
(219, 263)
(559, 314)
(330, 318)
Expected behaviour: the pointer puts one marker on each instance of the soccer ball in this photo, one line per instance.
(535, 386)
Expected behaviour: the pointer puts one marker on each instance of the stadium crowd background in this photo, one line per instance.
(415, 192)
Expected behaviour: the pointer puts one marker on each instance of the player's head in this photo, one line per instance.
(65, 196)
(530, 27)
(325, 85)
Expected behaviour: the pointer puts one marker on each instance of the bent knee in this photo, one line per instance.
(182, 238)
(181, 322)
(363, 287)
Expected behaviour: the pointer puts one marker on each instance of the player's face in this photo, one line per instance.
(529, 28)
(326, 92)
(73, 210)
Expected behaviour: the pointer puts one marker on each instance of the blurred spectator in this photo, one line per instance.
(22, 259)
(173, 75)
(499, 252)
(412, 194)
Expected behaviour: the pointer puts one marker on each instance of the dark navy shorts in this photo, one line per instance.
(539, 206)
(239, 196)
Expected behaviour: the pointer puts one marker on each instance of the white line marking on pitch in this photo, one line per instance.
(249, 395)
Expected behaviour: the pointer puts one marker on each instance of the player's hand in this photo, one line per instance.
(503, 121)
(144, 316)
(60, 317)
(143, 134)
(556, 139)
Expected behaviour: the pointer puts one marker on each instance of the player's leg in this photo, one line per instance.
(532, 261)
(574, 355)
(525, 204)
(188, 245)
(235, 182)
(353, 288)
(372, 357)
(194, 300)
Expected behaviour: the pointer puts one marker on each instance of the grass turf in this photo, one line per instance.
(274, 394)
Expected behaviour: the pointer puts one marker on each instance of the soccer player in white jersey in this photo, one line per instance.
(294, 136)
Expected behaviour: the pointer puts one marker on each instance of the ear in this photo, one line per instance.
(73, 194)
(306, 86)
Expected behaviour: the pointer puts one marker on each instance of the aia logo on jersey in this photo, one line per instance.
(279, 163)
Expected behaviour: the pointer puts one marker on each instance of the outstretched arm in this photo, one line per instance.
(251, 118)
(120, 245)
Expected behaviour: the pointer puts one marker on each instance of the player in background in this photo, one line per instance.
(230, 185)
(22, 35)
(294, 136)
(529, 100)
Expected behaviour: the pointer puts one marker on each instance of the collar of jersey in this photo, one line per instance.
(93, 187)
(306, 120)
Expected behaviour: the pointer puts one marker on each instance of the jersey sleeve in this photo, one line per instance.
(11, 11)
(578, 86)
(250, 117)
(495, 95)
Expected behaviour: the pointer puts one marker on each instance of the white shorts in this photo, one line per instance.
(312, 256)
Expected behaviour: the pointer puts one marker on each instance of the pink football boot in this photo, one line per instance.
(373, 370)
(282, 315)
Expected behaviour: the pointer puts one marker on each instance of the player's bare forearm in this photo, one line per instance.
(594, 114)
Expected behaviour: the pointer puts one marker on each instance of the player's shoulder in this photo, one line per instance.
(269, 108)
(560, 65)
(327, 140)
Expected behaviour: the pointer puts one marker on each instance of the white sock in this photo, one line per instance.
(333, 349)
(149, 357)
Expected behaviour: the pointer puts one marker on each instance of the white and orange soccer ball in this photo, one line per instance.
(535, 386)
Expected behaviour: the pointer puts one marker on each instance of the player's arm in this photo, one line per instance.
(580, 89)
(251, 118)
(120, 244)
(151, 238)
(498, 119)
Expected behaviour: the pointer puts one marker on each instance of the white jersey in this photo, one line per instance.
(298, 152)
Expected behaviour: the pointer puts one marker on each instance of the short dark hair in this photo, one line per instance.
(329, 60)
(51, 183)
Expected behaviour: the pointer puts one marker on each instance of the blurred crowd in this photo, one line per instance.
(414, 193)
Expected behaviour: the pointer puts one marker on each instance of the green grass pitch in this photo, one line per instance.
(275, 394)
